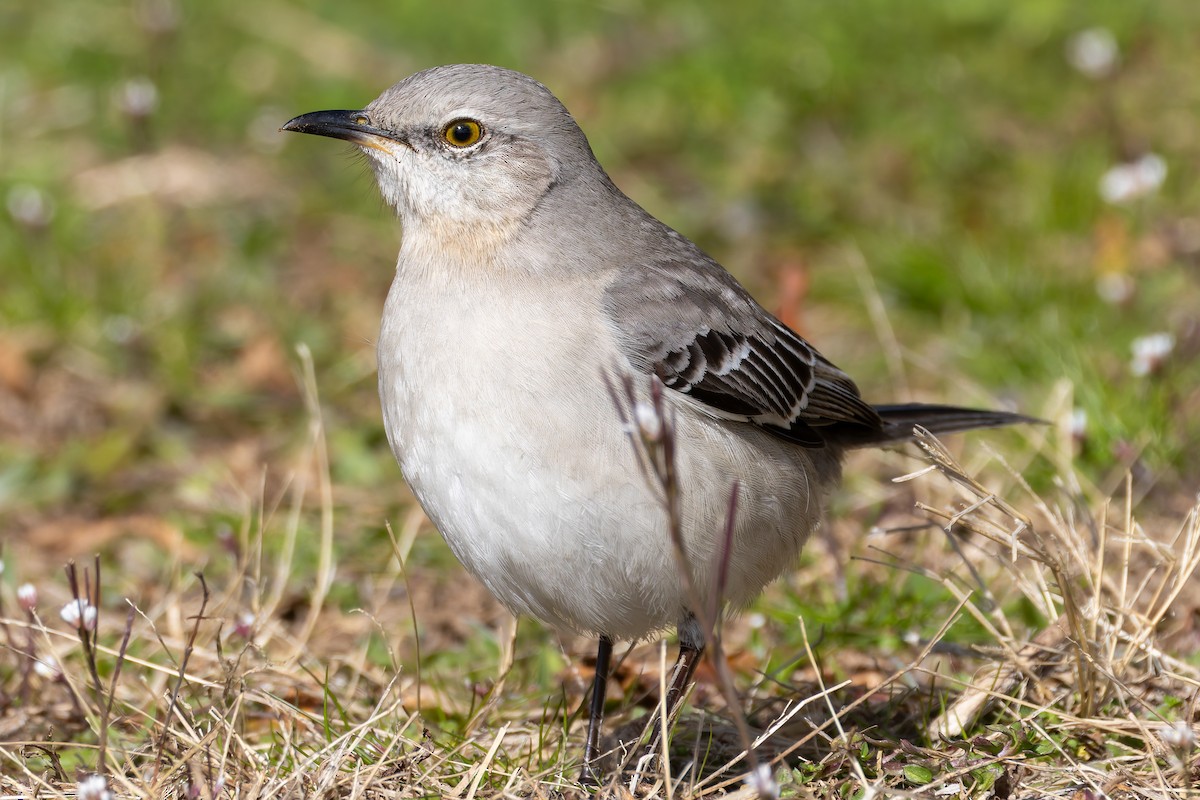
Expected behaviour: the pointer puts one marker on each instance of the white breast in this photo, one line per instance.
(496, 409)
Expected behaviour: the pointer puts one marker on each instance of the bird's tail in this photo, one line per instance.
(899, 421)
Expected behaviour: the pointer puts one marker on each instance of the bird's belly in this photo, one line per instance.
(553, 519)
(527, 472)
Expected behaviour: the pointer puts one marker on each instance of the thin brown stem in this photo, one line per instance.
(182, 674)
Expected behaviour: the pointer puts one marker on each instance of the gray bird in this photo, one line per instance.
(525, 277)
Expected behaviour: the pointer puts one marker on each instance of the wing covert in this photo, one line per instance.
(693, 326)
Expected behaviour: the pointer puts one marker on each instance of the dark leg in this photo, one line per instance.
(691, 647)
(591, 748)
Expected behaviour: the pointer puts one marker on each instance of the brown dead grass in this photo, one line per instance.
(282, 697)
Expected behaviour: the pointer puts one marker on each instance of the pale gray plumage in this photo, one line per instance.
(524, 275)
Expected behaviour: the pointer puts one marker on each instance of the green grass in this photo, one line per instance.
(940, 159)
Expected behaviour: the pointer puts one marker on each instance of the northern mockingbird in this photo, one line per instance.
(524, 276)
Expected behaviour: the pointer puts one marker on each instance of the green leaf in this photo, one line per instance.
(917, 774)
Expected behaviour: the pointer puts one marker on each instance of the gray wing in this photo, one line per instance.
(691, 324)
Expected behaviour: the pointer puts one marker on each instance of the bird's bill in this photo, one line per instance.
(353, 126)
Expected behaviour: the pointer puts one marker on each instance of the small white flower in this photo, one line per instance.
(648, 421)
(79, 614)
(158, 18)
(93, 787)
(70, 613)
(48, 668)
(1133, 179)
(1078, 424)
(1150, 353)
(762, 781)
(30, 206)
(1179, 736)
(119, 328)
(244, 626)
(27, 596)
(137, 97)
(1093, 52)
(1115, 288)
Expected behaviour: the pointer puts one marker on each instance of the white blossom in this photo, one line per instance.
(244, 626)
(1150, 353)
(27, 596)
(158, 17)
(93, 787)
(1130, 180)
(47, 667)
(1093, 52)
(762, 781)
(29, 206)
(1115, 288)
(1078, 424)
(79, 614)
(119, 328)
(137, 97)
(1179, 736)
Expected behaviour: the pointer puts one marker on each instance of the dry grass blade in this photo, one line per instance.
(1105, 592)
(1094, 699)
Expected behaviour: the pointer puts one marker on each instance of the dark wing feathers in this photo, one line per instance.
(697, 329)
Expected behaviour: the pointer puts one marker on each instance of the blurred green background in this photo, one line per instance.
(164, 249)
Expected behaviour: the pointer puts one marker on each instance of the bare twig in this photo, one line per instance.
(653, 433)
(182, 674)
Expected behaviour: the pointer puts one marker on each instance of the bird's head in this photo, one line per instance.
(461, 146)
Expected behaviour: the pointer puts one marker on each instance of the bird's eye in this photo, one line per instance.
(463, 132)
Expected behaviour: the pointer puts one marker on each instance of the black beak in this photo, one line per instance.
(353, 126)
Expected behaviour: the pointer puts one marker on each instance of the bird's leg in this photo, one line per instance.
(591, 748)
(691, 647)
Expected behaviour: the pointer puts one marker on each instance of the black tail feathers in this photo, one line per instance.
(899, 420)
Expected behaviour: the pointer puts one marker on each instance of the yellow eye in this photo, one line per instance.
(463, 132)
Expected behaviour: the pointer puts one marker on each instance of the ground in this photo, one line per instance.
(982, 202)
